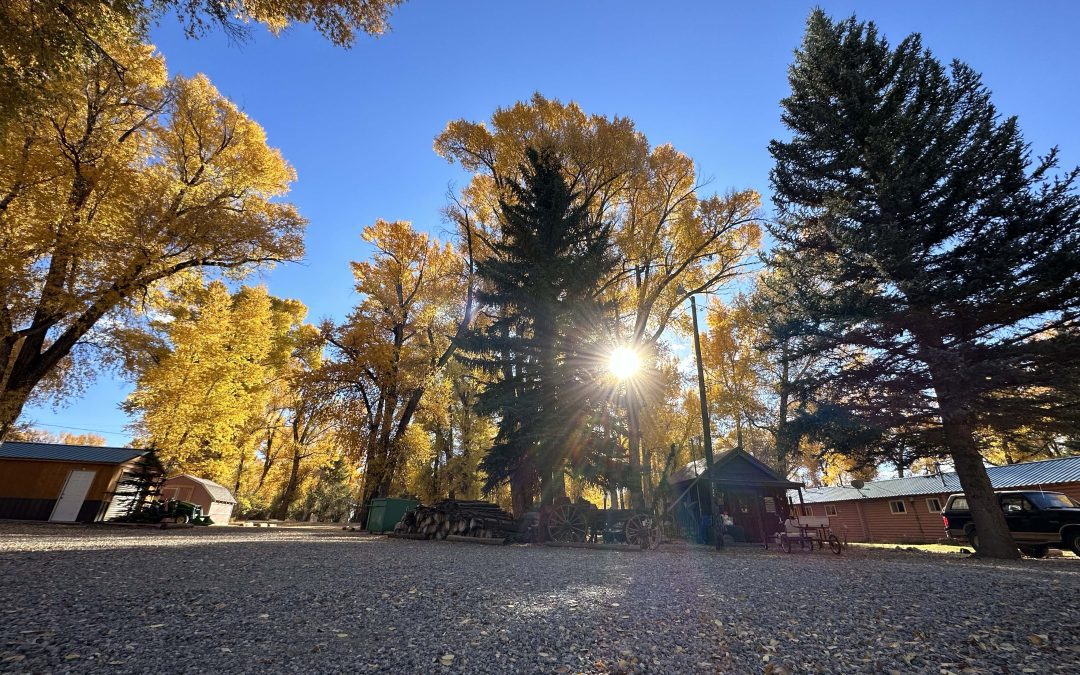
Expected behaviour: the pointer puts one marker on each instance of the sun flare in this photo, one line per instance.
(624, 363)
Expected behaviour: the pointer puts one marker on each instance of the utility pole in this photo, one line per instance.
(706, 434)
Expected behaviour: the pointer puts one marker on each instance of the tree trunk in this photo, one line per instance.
(637, 496)
(11, 406)
(289, 495)
(994, 538)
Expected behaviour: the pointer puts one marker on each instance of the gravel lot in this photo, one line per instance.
(315, 600)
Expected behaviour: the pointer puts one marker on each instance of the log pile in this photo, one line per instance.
(463, 518)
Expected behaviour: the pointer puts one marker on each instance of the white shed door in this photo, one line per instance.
(72, 496)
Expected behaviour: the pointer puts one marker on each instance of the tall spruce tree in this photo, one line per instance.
(540, 285)
(932, 258)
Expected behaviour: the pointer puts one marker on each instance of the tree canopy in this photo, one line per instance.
(935, 261)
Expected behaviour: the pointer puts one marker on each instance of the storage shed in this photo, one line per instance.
(216, 500)
(67, 483)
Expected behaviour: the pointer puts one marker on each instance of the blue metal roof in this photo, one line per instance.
(61, 452)
(1025, 474)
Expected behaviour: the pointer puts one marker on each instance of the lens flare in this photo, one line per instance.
(624, 363)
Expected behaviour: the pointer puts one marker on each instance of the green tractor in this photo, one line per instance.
(169, 511)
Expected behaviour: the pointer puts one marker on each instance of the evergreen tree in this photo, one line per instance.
(540, 285)
(931, 257)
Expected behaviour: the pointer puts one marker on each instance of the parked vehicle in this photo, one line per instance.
(1037, 520)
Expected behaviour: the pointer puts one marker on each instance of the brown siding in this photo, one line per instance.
(878, 524)
(29, 488)
(183, 488)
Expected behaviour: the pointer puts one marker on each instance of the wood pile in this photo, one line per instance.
(458, 517)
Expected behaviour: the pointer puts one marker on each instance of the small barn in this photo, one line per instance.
(72, 483)
(749, 491)
(908, 510)
(216, 500)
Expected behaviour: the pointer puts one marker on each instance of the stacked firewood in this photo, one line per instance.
(457, 517)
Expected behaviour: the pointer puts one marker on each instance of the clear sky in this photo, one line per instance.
(705, 76)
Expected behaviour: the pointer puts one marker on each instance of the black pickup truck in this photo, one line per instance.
(1037, 520)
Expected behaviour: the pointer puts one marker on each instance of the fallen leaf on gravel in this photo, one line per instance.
(156, 625)
(343, 635)
(220, 605)
(13, 658)
(264, 616)
(1038, 640)
(71, 657)
(447, 659)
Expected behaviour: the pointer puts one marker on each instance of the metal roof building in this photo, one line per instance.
(1026, 474)
(61, 452)
(66, 483)
(908, 510)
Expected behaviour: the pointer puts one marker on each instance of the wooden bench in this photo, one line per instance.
(806, 530)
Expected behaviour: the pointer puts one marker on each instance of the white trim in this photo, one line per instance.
(936, 500)
(903, 507)
(831, 510)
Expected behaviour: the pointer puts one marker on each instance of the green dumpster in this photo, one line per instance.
(384, 513)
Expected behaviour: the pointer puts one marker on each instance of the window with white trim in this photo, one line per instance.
(933, 505)
(830, 509)
(897, 506)
(807, 510)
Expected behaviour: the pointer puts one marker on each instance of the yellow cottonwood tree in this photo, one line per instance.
(672, 240)
(202, 403)
(395, 341)
(42, 41)
(126, 179)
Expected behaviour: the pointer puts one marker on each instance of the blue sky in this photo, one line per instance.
(705, 76)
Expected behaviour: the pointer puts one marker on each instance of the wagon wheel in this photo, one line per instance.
(785, 543)
(834, 544)
(567, 524)
(638, 531)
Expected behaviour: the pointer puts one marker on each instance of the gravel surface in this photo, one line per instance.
(317, 600)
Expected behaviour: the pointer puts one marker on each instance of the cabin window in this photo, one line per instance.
(933, 505)
(807, 510)
(898, 506)
(770, 505)
(830, 510)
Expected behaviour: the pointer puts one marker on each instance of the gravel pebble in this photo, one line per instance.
(320, 600)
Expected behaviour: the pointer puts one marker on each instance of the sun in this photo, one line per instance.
(624, 363)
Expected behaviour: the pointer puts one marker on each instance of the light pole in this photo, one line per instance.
(706, 434)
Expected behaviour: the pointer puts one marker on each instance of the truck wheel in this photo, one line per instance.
(1073, 540)
(972, 537)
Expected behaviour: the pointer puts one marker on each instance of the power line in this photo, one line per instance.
(66, 427)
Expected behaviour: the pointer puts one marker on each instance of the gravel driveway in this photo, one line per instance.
(316, 600)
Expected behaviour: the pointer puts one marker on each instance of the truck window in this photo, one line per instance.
(1015, 504)
(959, 504)
(1053, 500)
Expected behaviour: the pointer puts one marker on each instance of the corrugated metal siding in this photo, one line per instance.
(62, 452)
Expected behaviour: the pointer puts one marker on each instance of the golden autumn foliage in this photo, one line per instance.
(393, 345)
(45, 41)
(201, 403)
(671, 240)
(119, 183)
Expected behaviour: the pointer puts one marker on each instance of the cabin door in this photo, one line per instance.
(72, 496)
(745, 511)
